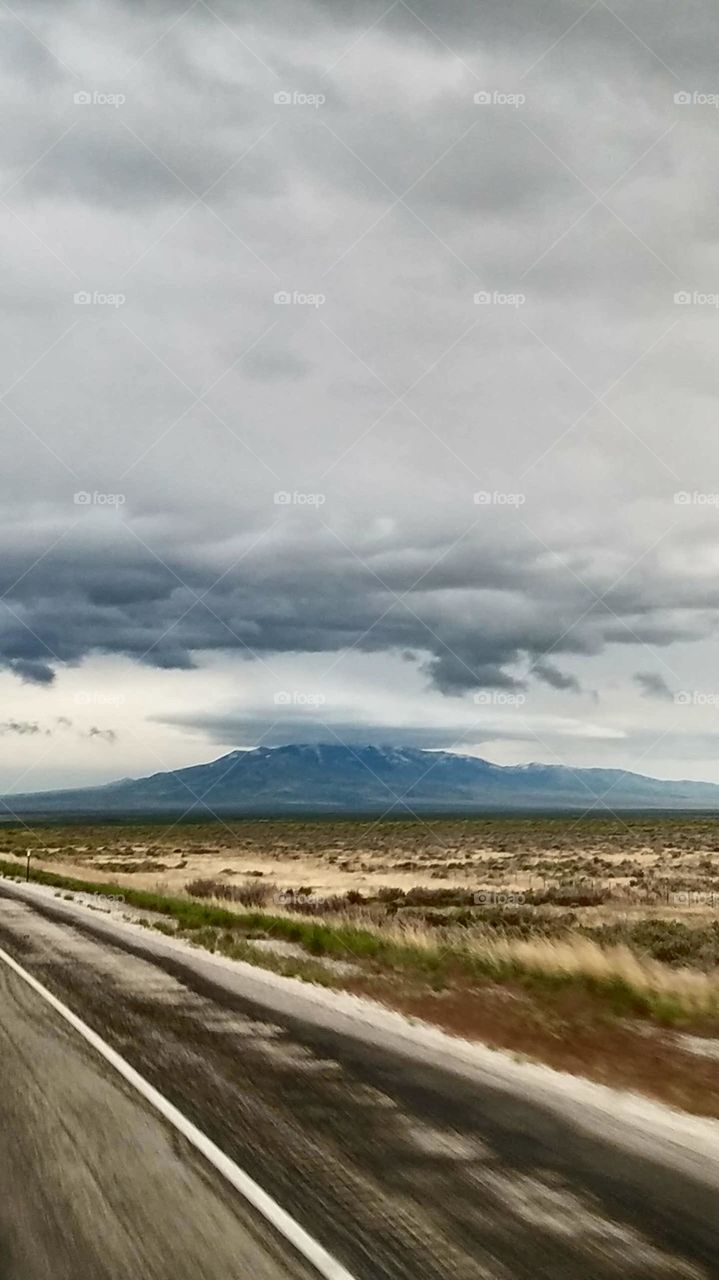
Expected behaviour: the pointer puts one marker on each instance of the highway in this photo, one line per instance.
(397, 1166)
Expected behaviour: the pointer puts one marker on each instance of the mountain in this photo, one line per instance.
(340, 779)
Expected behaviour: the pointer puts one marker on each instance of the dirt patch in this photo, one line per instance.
(648, 1060)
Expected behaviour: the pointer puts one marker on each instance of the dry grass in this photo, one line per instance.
(696, 993)
(620, 979)
(624, 904)
(562, 959)
(666, 866)
(609, 1012)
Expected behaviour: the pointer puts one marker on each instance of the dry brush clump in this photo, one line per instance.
(252, 893)
(260, 893)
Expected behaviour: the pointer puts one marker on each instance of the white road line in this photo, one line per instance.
(313, 1252)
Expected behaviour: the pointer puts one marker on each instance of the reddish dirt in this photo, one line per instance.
(569, 1036)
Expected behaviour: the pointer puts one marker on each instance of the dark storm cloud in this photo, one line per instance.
(474, 614)
(30, 670)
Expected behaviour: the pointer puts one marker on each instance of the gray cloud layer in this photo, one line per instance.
(179, 414)
(482, 609)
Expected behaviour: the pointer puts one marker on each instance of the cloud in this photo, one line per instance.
(302, 592)
(243, 729)
(62, 724)
(379, 412)
(104, 735)
(556, 679)
(269, 365)
(30, 670)
(653, 685)
(23, 728)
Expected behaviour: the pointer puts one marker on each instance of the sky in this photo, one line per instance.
(358, 382)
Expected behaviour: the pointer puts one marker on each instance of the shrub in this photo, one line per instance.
(308, 903)
(421, 896)
(389, 894)
(251, 893)
(670, 941)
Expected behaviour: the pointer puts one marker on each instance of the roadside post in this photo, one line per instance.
(27, 866)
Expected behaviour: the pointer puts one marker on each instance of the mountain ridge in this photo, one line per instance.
(332, 777)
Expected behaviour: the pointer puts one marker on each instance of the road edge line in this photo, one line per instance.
(293, 1233)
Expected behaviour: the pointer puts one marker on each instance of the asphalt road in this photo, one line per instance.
(401, 1168)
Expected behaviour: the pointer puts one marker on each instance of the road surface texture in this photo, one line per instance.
(403, 1167)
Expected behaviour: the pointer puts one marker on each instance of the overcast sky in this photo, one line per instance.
(358, 380)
